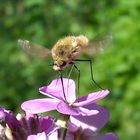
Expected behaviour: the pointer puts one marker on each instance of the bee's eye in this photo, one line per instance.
(74, 51)
(63, 64)
(61, 53)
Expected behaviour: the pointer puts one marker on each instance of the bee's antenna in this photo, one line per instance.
(91, 71)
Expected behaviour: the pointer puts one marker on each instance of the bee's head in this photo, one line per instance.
(59, 65)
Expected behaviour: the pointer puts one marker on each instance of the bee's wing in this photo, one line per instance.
(33, 49)
(97, 46)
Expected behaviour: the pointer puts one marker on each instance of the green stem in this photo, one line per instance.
(63, 130)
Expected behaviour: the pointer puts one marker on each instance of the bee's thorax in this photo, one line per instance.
(66, 50)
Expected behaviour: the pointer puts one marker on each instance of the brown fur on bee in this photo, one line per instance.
(67, 49)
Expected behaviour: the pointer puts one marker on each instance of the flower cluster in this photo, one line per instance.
(29, 127)
(80, 118)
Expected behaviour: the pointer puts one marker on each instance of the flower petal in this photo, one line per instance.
(39, 136)
(94, 122)
(108, 136)
(55, 90)
(46, 124)
(39, 105)
(53, 135)
(90, 98)
(87, 112)
(64, 108)
(2, 114)
(9, 118)
(32, 137)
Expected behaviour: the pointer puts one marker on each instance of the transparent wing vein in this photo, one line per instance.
(33, 49)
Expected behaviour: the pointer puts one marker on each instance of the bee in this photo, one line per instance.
(65, 51)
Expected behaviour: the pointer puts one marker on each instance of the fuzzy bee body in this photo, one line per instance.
(64, 52)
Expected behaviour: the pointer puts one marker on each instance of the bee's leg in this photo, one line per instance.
(91, 71)
(72, 67)
(58, 77)
(69, 74)
(57, 73)
(71, 70)
(61, 78)
(78, 79)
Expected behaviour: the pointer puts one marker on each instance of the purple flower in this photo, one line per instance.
(42, 136)
(26, 127)
(67, 104)
(86, 127)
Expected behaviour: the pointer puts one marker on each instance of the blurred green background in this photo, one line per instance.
(44, 22)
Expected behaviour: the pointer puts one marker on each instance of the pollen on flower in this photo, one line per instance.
(19, 116)
(8, 134)
(61, 123)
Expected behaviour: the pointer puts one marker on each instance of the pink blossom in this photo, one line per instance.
(67, 104)
(86, 127)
